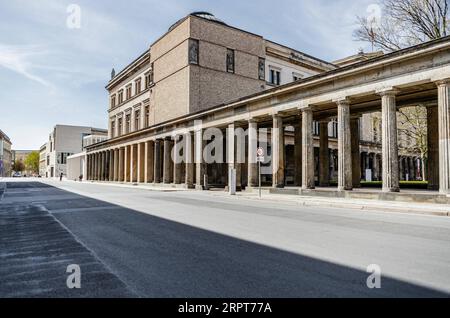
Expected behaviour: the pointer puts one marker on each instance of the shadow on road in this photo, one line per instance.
(156, 257)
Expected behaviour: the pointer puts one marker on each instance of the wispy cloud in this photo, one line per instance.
(19, 59)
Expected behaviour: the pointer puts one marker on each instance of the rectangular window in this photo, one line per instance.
(193, 51)
(128, 91)
(113, 128)
(274, 77)
(120, 126)
(137, 119)
(230, 61)
(121, 96)
(127, 123)
(151, 74)
(147, 116)
(113, 101)
(138, 86)
(262, 69)
(316, 128)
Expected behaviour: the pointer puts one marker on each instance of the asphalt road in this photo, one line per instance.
(192, 244)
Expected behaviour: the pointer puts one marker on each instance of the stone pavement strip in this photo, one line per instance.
(35, 250)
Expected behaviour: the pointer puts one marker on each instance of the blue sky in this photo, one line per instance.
(51, 74)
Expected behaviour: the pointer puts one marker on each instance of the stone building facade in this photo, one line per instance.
(64, 141)
(5, 155)
(329, 98)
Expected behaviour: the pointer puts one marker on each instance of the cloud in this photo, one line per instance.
(19, 59)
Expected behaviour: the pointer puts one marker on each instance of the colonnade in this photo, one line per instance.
(150, 161)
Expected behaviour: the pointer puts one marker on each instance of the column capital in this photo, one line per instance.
(306, 110)
(342, 101)
(442, 82)
(389, 91)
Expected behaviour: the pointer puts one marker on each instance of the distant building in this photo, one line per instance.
(43, 160)
(76, 163)
(21, 155)
(5, 155)
(63, 142)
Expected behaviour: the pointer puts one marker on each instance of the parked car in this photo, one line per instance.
(17, 175)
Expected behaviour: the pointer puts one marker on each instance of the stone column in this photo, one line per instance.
(189, 160)
(101, 165)
(127, 164)
(149, 162)
(355, 134)
(401, 168)
(116, 165)
(411, 168)
(98, 172)
(444, 136)
(93, 166)
(111, 165)
(252, 147)
(141, 163)
(121, 164)
(375, 167)
(432, 172)
(344, 146)
(176, 165)
(324, 159)
(298, 154)
(230, 142)
(307, 150)
(98, 166)
(277, 152)
(105, 165)
(157, 161)
(167, 178)
(88, 172)
(389, 141)
(133, 163)
(199, 160)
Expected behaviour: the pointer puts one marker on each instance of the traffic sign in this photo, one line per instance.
(260, 152)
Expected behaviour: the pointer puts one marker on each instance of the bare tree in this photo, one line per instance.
(412, 131)
(403, 23)
(396, 25)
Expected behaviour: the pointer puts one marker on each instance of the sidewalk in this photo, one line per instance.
(365, 205)
(303, 200)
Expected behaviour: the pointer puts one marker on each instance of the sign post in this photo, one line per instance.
(259, 158)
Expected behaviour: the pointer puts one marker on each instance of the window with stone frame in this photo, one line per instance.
(274, 76)
(151, 74)
(137, 86)
(262, 69)
(113, 128)
(193, 51)
(121, 96)
(113, 101)
(316, 128)
(128, 92)
(230, 61)
(147, 116)
(127, 123)
(120, 126)
(137, 119)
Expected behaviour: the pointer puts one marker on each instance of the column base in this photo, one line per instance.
(391, 190)
(198, 187)
(345, 189)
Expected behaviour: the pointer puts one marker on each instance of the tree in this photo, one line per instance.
(412, 131)
(403, 23)
(32, 161)
(399, 24)
(18, 166)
